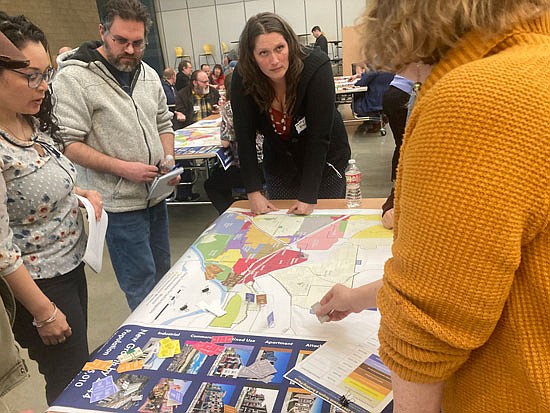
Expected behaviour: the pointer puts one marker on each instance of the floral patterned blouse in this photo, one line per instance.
(40, 222)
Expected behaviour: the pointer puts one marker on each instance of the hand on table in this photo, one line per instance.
(259, 203)
(341, 301)
(301, 208)
(387, 219)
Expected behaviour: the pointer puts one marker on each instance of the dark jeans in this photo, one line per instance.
(139, 246)
(219, 187)
(395, 107)
(59, 363)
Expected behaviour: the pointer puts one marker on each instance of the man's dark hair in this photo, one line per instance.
(132, 10)
(183, 64)
(315, 28)
(204, 64)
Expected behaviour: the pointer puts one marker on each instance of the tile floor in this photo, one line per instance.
(107, 305)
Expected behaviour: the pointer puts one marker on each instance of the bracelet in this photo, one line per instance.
(51, 319)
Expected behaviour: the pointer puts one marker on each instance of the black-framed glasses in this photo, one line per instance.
(124, 43)
(36, 78)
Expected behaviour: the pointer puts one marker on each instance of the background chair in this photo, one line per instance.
(207, 49)
(180, 55)
(374, 121)
(225, 49)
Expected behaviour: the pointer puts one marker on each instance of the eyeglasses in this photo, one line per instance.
(124, 43)
(202, 81)
(35, 79)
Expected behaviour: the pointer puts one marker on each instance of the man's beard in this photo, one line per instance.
(115, 60)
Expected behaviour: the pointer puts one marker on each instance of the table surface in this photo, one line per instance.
(324, 249)
(197, 140)
(366, 203)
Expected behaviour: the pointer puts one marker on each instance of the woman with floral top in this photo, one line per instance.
(42, 240)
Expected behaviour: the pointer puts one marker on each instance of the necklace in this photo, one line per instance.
(279, 126)
(22, 143)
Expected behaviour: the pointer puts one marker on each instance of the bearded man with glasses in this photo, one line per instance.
(115, 121)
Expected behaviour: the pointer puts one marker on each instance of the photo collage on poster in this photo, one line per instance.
(156, 370)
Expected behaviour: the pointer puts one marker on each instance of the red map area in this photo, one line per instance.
(322, 240)
(252, 268)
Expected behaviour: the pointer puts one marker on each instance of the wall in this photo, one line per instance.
(65, 22)
(192, 23)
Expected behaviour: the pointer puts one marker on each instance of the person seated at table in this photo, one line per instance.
(369, 103)
(285, 91)
(320, 39)
(197, 100)
(219, 187)
(168, 81)
(230, 60)
(183, 77)
(205, 67)
(217, 77)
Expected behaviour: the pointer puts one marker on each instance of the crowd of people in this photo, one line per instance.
(464, 298)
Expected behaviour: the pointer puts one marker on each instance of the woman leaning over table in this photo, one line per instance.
(42, 240)
(465, 298)
(285, 92)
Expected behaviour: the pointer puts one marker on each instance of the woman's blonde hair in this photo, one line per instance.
(398, 32)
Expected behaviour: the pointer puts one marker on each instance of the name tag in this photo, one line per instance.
(301, 125)
(196, 108)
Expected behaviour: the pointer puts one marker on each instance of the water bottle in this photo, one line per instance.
(167, 164)
(353, 185)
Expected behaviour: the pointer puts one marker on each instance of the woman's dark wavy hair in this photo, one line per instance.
(20, 31)
(256, 84)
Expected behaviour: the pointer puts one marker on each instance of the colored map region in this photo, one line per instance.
(266, 271)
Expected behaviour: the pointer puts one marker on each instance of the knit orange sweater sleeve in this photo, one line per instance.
(472, 206)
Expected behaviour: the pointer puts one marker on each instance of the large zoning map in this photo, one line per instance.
(266, 271)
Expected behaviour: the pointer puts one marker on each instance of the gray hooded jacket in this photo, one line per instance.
(92, 108)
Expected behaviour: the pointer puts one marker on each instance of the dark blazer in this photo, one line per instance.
(184, 102)
(182, 80)
(322, 43)
(371, 100)
(305, 157)
(169, 91)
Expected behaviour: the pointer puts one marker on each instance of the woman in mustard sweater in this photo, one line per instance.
(465, 298)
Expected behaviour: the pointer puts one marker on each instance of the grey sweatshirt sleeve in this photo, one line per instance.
(71, 107)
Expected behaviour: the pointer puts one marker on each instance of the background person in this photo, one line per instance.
(42, 240)
(198, 100)
(217, 77)
(464, 300)
(285, 92)
(320, 39)
(219, 186)
(183, 77)
(104, 90)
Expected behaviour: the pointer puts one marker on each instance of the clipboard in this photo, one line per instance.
(160, 188)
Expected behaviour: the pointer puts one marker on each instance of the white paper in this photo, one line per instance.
(96, 236)
(347, 366)
(160, 188)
